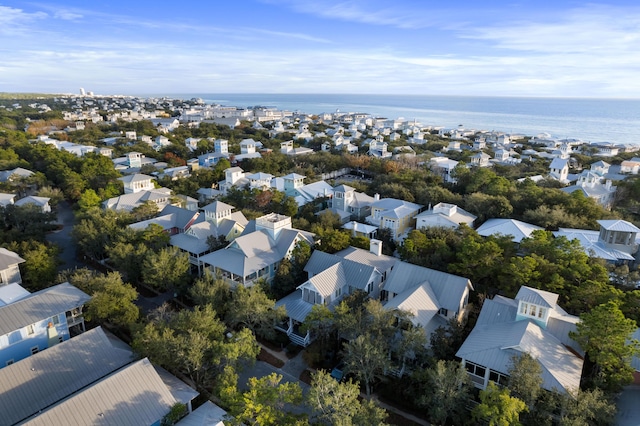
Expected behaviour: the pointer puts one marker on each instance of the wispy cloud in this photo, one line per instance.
(13, 20)
(366, 12)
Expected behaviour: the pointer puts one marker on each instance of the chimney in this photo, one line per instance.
(376, 197)
(52, 335)
(375, 247)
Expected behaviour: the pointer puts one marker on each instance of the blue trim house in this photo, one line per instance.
(39, 321)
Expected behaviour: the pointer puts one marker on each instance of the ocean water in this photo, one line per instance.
(592, 120)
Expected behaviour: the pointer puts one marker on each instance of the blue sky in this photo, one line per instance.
(508, 48)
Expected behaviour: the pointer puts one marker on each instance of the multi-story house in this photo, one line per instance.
(40, 320)
(532, 323)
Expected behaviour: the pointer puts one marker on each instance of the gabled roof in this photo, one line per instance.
(419, 301)
(328, 281)
(9, 259)
(497, 337)
(517, 229)
(31, 199)
(382, 263)
(591, 244)
(39, 381)
(128, 202)
(134, 395)
(137, 177)
(537, 297)
(39, 306)
(559, 163)
(618, 225)
(447, 288)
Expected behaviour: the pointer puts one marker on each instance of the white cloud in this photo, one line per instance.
(13, 21)
(366, 12)
(67, 15)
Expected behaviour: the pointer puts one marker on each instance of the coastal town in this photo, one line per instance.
(251, 265)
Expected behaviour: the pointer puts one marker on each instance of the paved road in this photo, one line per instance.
(628, 407)
(62, 238)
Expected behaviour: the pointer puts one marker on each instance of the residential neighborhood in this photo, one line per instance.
(212, 242)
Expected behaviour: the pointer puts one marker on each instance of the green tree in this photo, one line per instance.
(250, 307)
(449, 389)
(335, 403)
(266, 402)
(112, 300)
(605, 335)
(167, 269)
(41, 263)
(195, 343)
(525, 378)
(588, 407)
(365, 358)
(88, 199)
(212, 290)
(445, 341)
(498, 407)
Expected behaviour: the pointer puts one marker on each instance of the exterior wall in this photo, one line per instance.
(21, 349)
(10, 275)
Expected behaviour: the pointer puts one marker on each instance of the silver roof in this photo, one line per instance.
(537, 297)
(8, 259)
(497, 336)
(448, 288)
(208, 414)
(39, 306)
(134, 395)
(39, 381)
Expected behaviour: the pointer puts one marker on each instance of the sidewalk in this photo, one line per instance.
(294, 367)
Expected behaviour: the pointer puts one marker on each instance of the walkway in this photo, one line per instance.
(291, 371)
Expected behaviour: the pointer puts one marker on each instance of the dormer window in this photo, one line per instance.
(531, 310)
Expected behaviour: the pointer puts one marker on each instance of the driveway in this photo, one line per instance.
(66, 219)
(628, 407)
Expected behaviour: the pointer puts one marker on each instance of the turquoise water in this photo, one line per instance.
(592, 120)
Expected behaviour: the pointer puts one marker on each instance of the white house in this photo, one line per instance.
(444, 215)
(9, 269)
(559, 169)
(532, 323)
(516, 229)
(257, 253)
(137, 182)
(40, 202)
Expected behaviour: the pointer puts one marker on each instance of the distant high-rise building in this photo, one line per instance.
(82, 92)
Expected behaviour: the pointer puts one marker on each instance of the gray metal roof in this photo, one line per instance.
(517, 229)
(329, 280)
(419, 301)
(218, 207)
(382, 263)
(297, 308)
(39, 306)
(357, 274)
(448, 288)
(497, 336)
(39, 381)
(134, 395)
(208, 414)
(8, 259)
(618, 225)
(537, 297)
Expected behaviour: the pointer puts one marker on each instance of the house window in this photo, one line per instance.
(475, 369)
(523, 308)
(498, 378)
(541, 312)
(55, 320)
(443, 311)
(532, 310)
(9, 362)
(35, 350)
(30, 329)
